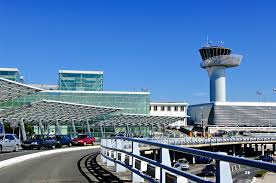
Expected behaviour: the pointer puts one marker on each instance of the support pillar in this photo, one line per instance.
(262, 149)
(234, 150)
(74, 128)
(223, 171)
(140, 130)
(88, 127)
(2, 129)
(127, 130)
(22, 127)
(256, 147)
(101, 129)
(48, 129)
(41, 127)
(57, 130)
(273, 148)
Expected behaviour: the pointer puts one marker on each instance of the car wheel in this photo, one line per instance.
(92, 143)
(1, 149)
(16, 148)
(84, 143)
(39, 147)
(53, 147)
(70, 144)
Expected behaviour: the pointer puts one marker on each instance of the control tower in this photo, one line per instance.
(215, 59)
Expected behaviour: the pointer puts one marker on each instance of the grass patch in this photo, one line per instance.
(261, 173)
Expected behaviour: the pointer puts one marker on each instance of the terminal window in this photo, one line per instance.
(169, 108)
(155, 108)
(176, 108)
(162, 108)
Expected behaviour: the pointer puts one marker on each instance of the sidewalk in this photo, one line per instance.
(268, 178)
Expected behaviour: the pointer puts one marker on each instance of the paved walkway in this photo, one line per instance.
(268, 178)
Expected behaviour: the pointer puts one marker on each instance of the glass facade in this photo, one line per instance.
(131, 102)
(11, 74)
(81, 80)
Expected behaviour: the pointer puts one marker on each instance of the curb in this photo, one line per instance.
(20, 159)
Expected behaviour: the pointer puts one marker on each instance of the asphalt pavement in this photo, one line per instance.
(8, 155)
(60, 167)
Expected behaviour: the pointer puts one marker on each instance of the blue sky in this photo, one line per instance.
(149, 44)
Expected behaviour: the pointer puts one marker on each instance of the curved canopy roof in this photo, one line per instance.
(49, 110)
(10, 89)
(137, 120)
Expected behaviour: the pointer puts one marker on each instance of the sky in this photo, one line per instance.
(150, 44)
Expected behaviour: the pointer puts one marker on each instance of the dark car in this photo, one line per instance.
(50, 143)
(83, 139)
(35, 142)
(209, 170)
(63, 140)
(266, 158)
(203, 160)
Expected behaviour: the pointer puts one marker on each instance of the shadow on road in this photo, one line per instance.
(96, 170)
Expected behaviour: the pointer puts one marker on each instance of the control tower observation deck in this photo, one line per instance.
(215, 59)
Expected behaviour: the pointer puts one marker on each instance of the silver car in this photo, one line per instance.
(9, 142)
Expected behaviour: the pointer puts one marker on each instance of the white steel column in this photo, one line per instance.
(41, 127)
(58, 131)
(88, 126)
(22, 127)
(74, 128)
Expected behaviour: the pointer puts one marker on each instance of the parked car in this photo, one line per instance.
(63, 140)
(50, 142)
(203, 160)
(35, 142)
(182, 164)
(209, 170)
(9, 142)
(83, 139)
(266, 158)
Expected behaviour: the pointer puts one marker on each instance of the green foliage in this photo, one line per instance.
(261, 173)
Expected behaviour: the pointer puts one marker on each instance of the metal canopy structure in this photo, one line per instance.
(10, 90)
(137, 120)
(49, 111)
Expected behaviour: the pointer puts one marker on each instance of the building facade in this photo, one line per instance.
(242, 114)
(12, 74)
(74, 80)
(170, 109)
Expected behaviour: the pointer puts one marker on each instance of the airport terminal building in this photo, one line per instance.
(130, 110)
(222, 113)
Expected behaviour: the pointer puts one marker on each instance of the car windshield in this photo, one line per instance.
(183, 161)
(82, 136)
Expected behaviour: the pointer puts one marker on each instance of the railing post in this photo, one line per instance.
(136, 151)
(108, 162)
(103, 150)
(223, 171)
(119, 145)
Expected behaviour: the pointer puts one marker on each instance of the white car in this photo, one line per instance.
(182, 164)
(9, 142)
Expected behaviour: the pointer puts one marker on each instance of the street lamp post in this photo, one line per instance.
(202, 125)
(269, 116)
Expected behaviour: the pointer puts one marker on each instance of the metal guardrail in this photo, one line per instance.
(198, 141)
(218, 157)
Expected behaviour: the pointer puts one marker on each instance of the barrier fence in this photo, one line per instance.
(124, 153)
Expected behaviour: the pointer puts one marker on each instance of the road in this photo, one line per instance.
(61, 167)
(8, 155)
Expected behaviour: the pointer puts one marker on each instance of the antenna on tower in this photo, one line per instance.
(259, 93)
